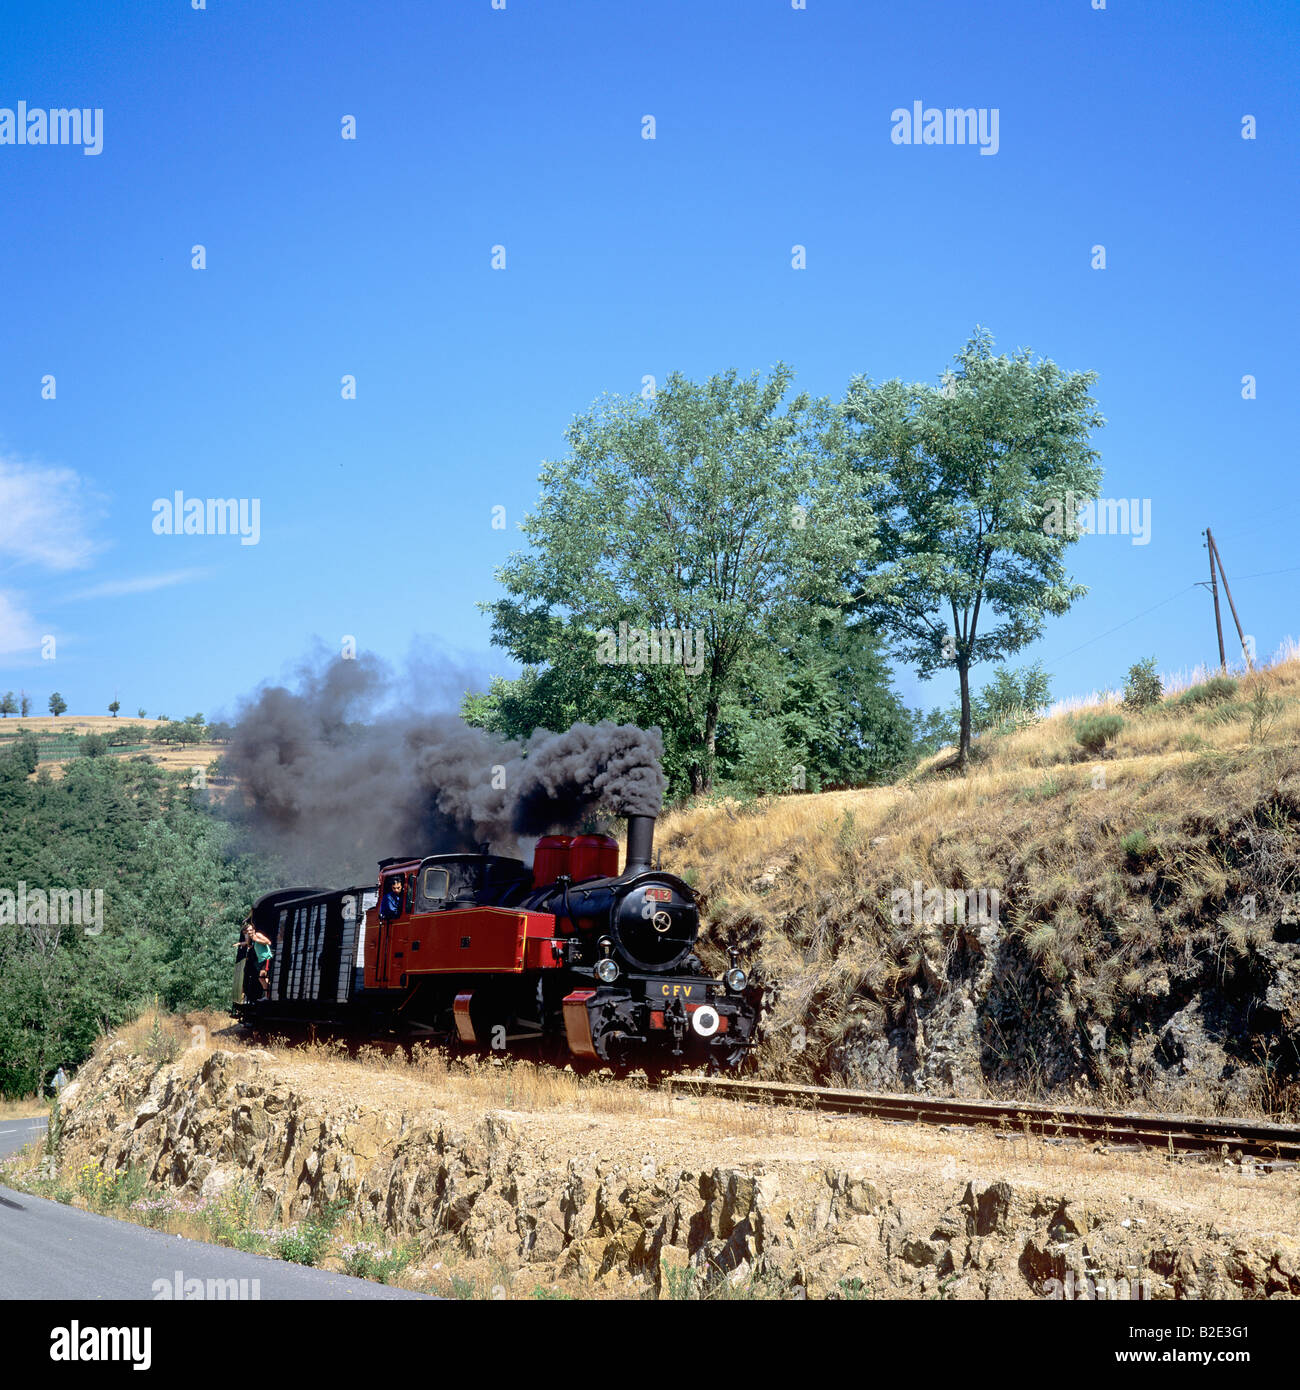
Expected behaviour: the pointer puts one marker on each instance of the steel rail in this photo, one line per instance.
(1247, 1137)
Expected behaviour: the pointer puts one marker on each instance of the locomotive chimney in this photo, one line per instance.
(640, 843)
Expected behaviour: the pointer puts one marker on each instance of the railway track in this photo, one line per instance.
(1271, 1145)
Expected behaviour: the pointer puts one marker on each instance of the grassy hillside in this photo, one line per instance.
(1144, 944)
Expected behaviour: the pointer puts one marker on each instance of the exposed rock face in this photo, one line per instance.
(486, 1188)
(978, 1008)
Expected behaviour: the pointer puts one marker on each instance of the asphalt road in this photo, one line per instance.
(49, 1251)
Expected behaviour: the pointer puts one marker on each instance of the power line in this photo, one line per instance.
(1187, 588)
(1265, 574)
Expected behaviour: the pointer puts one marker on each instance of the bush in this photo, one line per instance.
(369, 1259)
(1011, 700)
(1264, 713)
(1210, 692)
(306, 1244)
(1095, 731)
(1142, 687)
(1136, 844)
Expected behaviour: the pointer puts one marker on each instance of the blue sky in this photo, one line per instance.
(625, 257)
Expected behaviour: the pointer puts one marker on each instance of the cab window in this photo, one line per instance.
(433, 885)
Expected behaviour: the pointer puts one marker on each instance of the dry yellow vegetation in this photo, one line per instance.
(1134, 883)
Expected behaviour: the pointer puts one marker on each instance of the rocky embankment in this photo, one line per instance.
(621, 1203)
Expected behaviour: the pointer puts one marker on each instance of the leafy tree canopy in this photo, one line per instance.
(714, 510)
(965, 480)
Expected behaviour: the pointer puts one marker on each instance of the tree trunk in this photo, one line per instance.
(704, 770)
(963, 745)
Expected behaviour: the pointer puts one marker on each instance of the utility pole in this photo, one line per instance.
(1214, 589)
(1241, 636)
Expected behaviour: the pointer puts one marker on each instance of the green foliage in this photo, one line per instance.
(766, 765)
(307, 1242)
(57, 704)
(970, 484)
(1137, 844)
(1011, 700)
(177, 732)
(162, 1044)
(94, 746)
(715, 509)
(173, 899)
(1095, 731)
(1224, 712)
(1143, 688)
(1211, 692)
(108, 1191)
(230, 1218)
(370, 1258)
(8, 705)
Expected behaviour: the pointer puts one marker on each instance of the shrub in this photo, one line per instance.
(1264, 713)
(1142, 687)
(1095, 731)
(1210, 692)
(369, 1259)
(1136, 844)
(307, 1243)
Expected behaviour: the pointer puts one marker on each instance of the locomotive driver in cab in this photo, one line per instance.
(391, 905)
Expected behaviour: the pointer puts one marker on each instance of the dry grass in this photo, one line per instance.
(23, 1108)
(1093, 929)
(73, 723)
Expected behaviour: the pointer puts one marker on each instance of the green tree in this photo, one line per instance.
(176, 732)
(173, 890)
(114, 707)
(8, 705)
(1143, 686)
(140, 713)
(820, 692)
(714, 508)
(975, 485)
(57, 704)
(1010, 698)
(24, 704)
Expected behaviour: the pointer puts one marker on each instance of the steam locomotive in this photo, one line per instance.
(570, 957)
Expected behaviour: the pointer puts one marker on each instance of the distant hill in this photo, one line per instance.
(58, 735)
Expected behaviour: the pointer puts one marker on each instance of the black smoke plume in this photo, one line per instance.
(332, 781)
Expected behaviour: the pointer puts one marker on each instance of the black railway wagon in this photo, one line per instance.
(316, 951)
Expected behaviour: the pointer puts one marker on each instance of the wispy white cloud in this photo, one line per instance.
(19, 634)
(141, 584)
(45, 514)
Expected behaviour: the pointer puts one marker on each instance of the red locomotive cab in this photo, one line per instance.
(552, 858)
(593, 856)
(383, 958)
